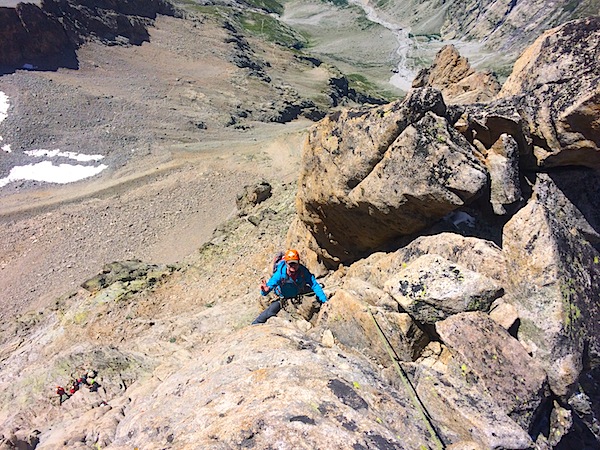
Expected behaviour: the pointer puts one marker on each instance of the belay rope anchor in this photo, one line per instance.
(407, 384)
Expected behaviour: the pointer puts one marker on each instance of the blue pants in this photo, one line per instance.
(272, 310)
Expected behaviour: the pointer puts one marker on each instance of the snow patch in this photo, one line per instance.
(57, 153)
(4, 104)
(460, 217)
(46, 171)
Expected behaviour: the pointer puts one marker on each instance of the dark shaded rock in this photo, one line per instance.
(243, 55)
(46, 38)
(574, 197)
(347, 395)
(340, 90)
(30, 35)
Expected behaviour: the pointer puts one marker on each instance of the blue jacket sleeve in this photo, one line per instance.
(273, 282)
(317, 289)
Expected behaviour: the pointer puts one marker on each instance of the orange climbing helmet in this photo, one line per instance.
(291, 255)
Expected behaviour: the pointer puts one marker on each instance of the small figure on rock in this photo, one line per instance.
(289, 281)
(93, 385)
(62, 394)
(74, 388)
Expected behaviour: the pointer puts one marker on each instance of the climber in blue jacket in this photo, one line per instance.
(289, 279)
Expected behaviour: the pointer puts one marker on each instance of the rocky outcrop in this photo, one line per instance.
(29, 35)
(372, 176)
(328, 404)
(455, 404)
(46, 37)
(126, 277)
(552, 270)
(440, 340)
(550, 110)
(107, 20)
(535, 354)
(392, 171)
(515, 380)
(252, 195)
(556, 85)
(456, 79)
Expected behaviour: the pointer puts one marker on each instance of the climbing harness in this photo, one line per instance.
(409, 387)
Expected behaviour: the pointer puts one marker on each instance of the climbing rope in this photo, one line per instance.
(409, 387)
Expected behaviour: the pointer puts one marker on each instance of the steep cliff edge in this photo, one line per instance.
(46, 37)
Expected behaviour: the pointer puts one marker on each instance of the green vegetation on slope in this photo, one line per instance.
(270, 6)
(361, 84)
(271, 29)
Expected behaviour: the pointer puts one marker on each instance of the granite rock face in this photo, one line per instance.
(536, 148)
(434, 336)
(376, 175)
(372, 176)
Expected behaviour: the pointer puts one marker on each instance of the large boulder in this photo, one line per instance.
(468, 275)
(455, 405)
(432, 288)
(553, 281)
(556, 84)
(372, 176)
(350, 318)
(251, 196)
(271, 386)
(502, 160)
(476, 255)
(515, 380)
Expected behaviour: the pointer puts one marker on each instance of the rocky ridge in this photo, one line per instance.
(459, 83)
(387, 172)
(46, 37)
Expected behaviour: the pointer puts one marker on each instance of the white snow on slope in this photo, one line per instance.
(46, 170)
